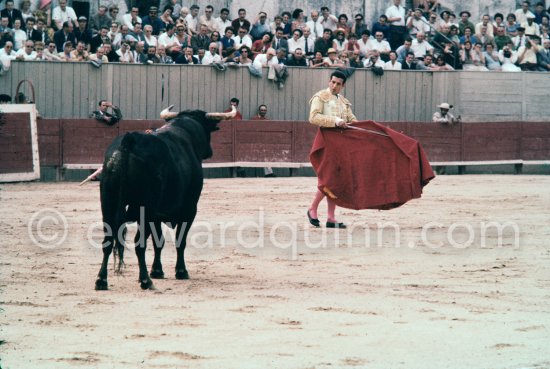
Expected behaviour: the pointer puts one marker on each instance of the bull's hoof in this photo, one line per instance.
(147, 284)
(101, 285)
(157, 274)
(182, 274)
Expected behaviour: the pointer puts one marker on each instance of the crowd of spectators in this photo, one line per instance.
(427, 37)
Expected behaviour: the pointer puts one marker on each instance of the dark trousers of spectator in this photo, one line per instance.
(528, 67)
(397, 36)
(82, 9)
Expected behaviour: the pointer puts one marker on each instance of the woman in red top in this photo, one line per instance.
(261, 46)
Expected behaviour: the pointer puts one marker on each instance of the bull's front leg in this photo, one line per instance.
(143, 232)
(158, 244)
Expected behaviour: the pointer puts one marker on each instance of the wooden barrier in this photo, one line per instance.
(80, 144)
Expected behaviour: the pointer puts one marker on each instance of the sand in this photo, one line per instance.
(429, 285)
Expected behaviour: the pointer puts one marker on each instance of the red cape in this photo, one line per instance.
(363, 170)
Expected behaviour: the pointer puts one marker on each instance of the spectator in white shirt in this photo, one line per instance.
(131, 18)
(192, 20)
(242, 38)
(381, 45)
(315, 25)
(62, 14)
(26, 53)
(392, 64)
(420, 46)
(222, 22)
(211, 56)
(328, 20)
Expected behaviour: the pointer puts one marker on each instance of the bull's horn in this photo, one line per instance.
(223, 116)
(166, 114)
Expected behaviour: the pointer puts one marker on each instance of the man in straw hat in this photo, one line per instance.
(443, 115)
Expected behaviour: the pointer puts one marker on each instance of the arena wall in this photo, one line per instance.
(72, 90)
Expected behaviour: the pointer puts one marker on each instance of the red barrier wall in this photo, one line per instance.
(15, 143)
(84, 141)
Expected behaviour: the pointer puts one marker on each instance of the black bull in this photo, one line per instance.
(151, 179)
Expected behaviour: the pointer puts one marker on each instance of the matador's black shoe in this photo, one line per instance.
(313, 221)
(336, 225)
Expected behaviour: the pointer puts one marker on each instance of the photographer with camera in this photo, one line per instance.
(508, 58)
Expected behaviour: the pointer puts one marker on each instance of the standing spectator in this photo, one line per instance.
(382, 26)
(358, 26)
(315, 25)
(153, 20)
(82, 33)
(328, 20)
(260, 27)
(465, 22)
(208, 20)
(392, 64)
(11, 13)
(104, 116)
(241, 21)
(417, 23)
(100, 19)
(62, 14)
(63, 35)
(222, 22)
(396, 17)
(523, 13)
(130, 19)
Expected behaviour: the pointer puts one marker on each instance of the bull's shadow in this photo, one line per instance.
(151, 178)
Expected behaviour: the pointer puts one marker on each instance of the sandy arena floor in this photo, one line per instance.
(430, 285)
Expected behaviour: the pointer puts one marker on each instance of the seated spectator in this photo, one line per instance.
(131, 18)
(99, 39)
(50, 52)
(501, 38)
(468, 36)
(152, 57)
(420, 47)
(187, 57)
(82, 33)
(163, 58)
(222, 22)
(242, 22)
(539, 12)
(26, 53)
(445, 20)
(451, 55)
(125, 53)
(392, 64)
(409, 63)
(527, 55)
(296, 41)
(426, 64)
(543, 56)
(381, 45)
(498, 21)
(417, 23)
(260, 27)
(340, 43)
(150, 40)
(298, 21)
(365, 43)
(39, 48)
(441, 65)
(453, 35)
(286, 24)
(245, 57)
(260, 46)
(67, 53)
(7, 54)
(201, 53)
(277, 23)
(352, 43)
(317, 61)
(281, 56)
(104, 116)
(354, 59)
(523, 13)
(359, 26)
(212, 56)
(170, 42)
(215, 37)
(40, 33)
(111, 54)
(520, 40)
(477, 58)
(242, 38)
(309, 42)
(139, 53)
(485, 21)
(508, 58)
(485, 38)
(138, 33)
(166, 16)
(100, 55)
(328, 20)
(511, 25)
(267, 59)
(491, 58)
(325, 42)
(373, 61)
(343, 24)
(297, 59)
(19, 35)
(200, 40)
(332, 60)
(444, 116)
(153, 20)
(531, 28)
(443, 35)
(227, 41)
(80, 53)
